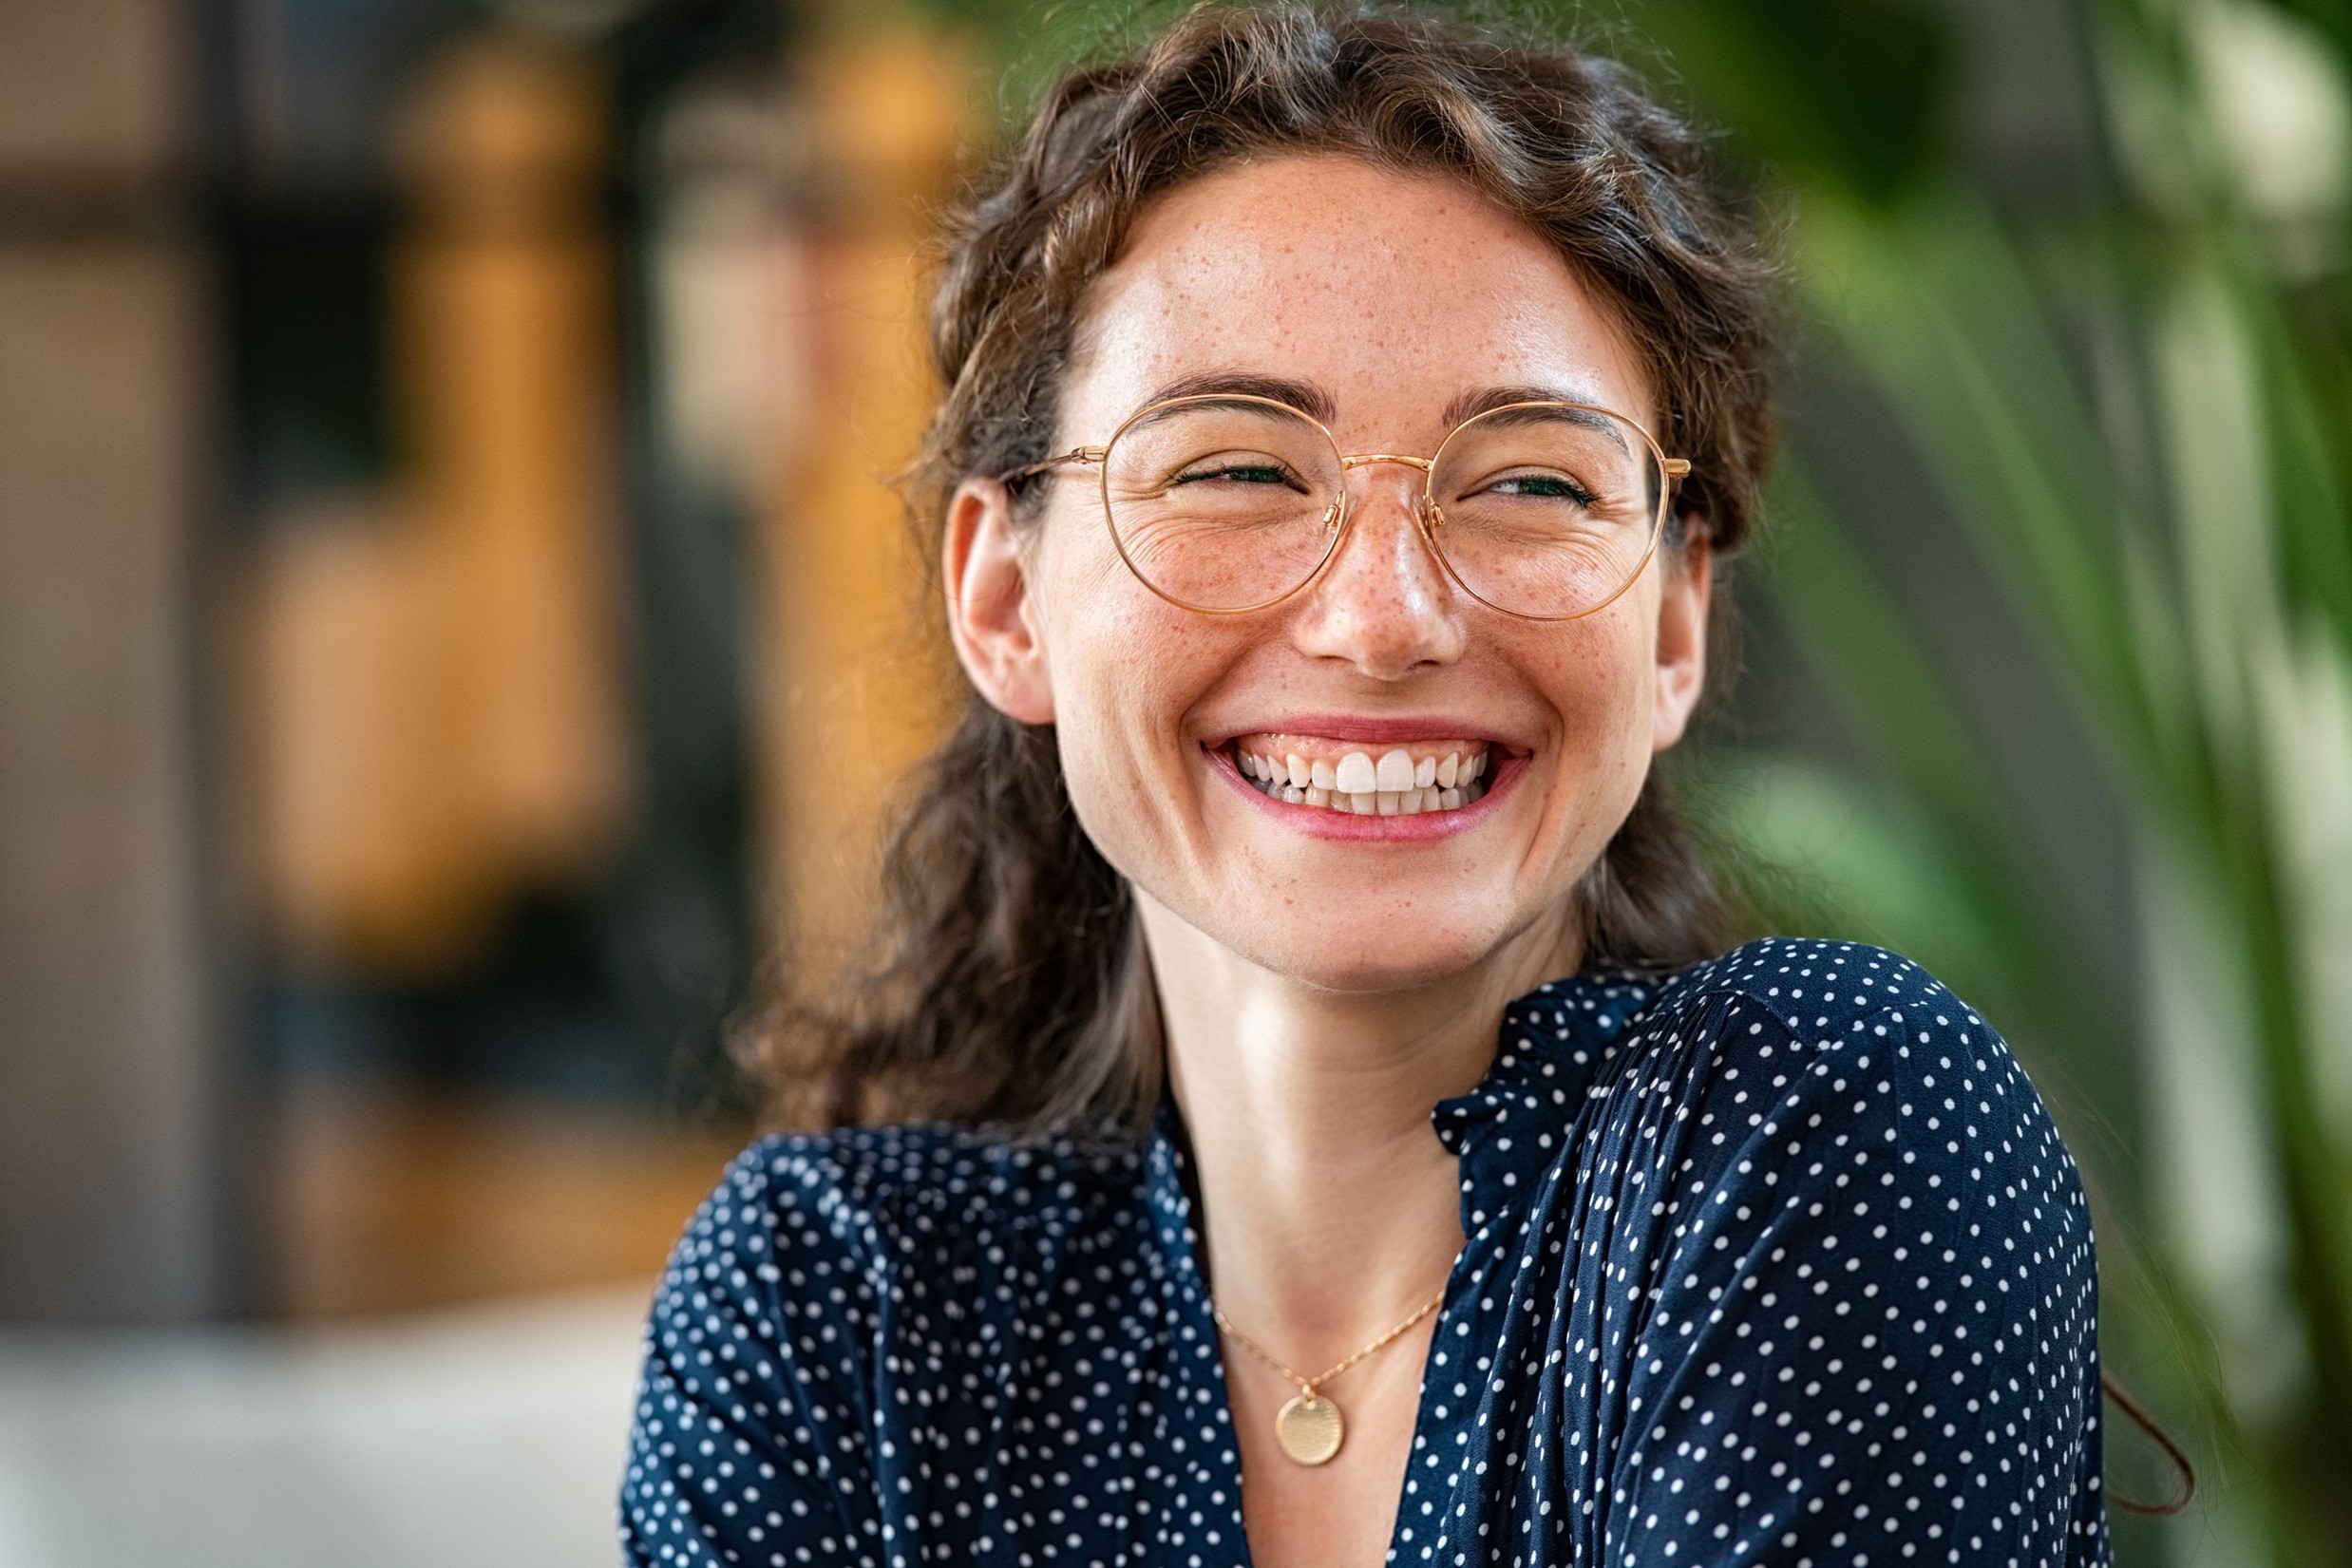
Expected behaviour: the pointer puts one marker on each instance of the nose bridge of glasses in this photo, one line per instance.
(1415, 503)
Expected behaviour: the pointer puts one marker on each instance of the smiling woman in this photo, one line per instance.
(1299, 1113)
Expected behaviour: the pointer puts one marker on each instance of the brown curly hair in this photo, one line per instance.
(1007, 983)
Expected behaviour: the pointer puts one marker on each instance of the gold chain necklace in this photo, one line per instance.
(1310, 1427)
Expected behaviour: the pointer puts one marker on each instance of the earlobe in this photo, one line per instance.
(1683, 636)
(991, 606)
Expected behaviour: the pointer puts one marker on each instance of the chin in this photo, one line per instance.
(1380, 957)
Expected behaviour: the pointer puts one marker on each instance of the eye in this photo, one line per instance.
(1543, 486)
(1238, 473)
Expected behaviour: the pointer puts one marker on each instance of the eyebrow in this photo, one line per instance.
(1484, 401)
(1308, 398)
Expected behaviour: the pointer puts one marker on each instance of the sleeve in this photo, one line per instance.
(750, 1439)
(1871, 1336)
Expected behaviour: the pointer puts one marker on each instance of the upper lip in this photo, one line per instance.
(1372, 731)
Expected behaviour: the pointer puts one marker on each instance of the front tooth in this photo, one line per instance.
(1449, 800)
(1316, 796)
(1449, 770)
(1299, 775)
(1409, 804)
(1395, 770)
(1425, 773)
(1362, 802)
(1320, 775)
(1387, 798)
(1356, 774)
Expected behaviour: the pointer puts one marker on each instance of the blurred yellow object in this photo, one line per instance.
(439, 714)
(855, 694)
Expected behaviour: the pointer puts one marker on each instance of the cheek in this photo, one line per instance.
(1600, 678)
(1598, 671)
(1127, 669)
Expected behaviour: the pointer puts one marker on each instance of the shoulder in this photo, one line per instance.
(1841, 1067)
(1818, 990)
(1802, 1011)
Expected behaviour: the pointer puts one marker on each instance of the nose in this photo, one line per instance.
(1383, 603)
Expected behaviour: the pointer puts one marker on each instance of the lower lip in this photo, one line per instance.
(1347, 827)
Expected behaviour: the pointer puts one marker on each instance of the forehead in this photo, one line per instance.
(1397, 292)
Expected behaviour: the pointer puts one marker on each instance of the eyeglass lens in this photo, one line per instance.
(1540, 509)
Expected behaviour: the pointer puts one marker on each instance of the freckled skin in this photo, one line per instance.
(1397, 295)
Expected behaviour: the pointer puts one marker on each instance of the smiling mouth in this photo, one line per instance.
(1397, 781)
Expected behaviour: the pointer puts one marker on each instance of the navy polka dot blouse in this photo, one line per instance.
(1780, 1262)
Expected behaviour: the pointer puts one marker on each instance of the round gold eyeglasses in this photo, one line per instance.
(1229, 502)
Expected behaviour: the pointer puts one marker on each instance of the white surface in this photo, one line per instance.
(487, 1436)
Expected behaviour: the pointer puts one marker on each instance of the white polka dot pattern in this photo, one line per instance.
(1781, 1263)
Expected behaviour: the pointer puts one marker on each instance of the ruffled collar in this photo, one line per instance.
(1553, 1044)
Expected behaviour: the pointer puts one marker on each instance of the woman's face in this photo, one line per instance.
(1385, 299)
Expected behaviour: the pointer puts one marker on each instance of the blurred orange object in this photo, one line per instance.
(856, 691)
(439, 706)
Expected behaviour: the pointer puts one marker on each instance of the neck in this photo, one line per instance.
(1331, 1209)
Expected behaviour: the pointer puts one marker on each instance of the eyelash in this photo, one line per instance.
(1274, 474)
(1575, 491)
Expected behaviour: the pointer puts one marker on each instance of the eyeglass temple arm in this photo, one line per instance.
(1077, 454)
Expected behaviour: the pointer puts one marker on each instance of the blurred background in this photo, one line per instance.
(455, 641)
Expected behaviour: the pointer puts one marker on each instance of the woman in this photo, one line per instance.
(1324, 1132)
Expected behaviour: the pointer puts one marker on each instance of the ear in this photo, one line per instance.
(991, 610)
(1682, 634)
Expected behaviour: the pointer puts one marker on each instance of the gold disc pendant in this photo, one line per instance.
(1309, 1428)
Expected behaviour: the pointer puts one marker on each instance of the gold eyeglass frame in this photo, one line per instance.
(1428, 514)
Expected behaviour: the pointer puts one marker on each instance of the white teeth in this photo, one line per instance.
(1395, 785)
